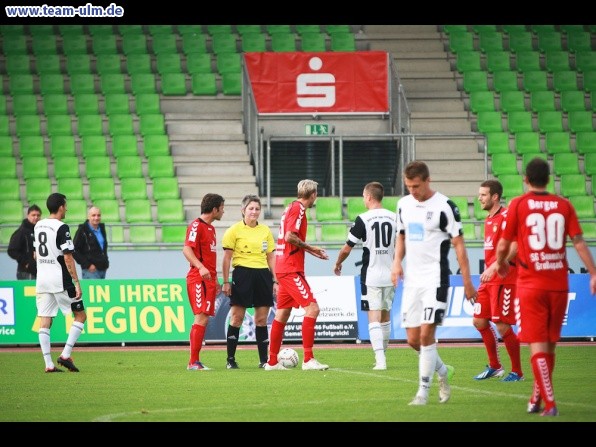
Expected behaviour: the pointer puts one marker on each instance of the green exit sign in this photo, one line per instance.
(317, 129)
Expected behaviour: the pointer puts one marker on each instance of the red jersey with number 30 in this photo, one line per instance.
(541, 223)
(290, 258)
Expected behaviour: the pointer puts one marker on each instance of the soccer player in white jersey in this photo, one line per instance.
(376, 229)
(57, 284)
(428, 224)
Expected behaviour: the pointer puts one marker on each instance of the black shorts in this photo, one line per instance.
(251, 287)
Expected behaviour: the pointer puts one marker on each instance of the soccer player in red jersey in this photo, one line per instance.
(294, 290)
(496, 295)
(540, 222)
(202, 286)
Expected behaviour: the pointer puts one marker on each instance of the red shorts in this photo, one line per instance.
(542, 314)
(496, 302)
(201, 295)
(293, 291)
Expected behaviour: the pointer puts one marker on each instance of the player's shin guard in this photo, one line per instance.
(275, 339)
(308, 337)
(543, 378)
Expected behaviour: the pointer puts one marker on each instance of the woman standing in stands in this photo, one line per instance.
(250, 249)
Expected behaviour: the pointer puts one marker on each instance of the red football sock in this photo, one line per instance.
(489, 337)
(542, 376)
(512, 344)
(275, 339)
(308, 337)
(197, 334)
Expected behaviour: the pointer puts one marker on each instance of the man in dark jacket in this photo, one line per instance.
(91, 246)
(20, 247)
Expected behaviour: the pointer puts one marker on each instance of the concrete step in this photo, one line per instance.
(441, 125)
(224, 169)
(200, 127)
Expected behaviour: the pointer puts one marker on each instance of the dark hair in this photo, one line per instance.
(538, 172)
(494, 187)
(210, 202)
(417, 169)
(55, 201)
(376, 190)
(33, 208)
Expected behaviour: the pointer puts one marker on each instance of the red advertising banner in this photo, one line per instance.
(319, 83)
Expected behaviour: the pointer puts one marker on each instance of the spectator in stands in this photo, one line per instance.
(376, 229)
(294, 290)
(57, 284)
(249, 248)
(496, 295)
(428, 224)
(540, 222)
(91, 246)
(20, 247)
(202, 284)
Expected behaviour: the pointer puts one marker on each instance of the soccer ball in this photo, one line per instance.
(288, 357)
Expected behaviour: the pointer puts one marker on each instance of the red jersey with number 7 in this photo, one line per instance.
(201, 237)
(541, 222)
(288, 257)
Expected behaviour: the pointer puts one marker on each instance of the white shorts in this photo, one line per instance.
(423, 305)
(48, 304)
(378, 298)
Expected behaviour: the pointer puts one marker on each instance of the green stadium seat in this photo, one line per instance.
(117, 103)
(123, 145)
(82, 83)
(479, 213)
(193, 43)
(461, 41)
(549, 41)
(8, 167)
(272, 29)
(134, 44)
(6, 146)
(228, 63)
(93, 145)
(542, 100)
(27, 125)
(224, 43)
(115, 235)
(110, 210)
(249, 29)
(173, 234)
(573, 185)
(66, 167)
(475, 80)
(160, 29)
(163, 44)
(37, 189)
(341, 42)
(86, 104)
(334, 233)
(527, 142)
(142, 83)
(147, 103)
(313, 41)
(505, 81)
(108, 64)
(55, 104)
(204, 84)
(129, 166)
(232, 84)
(503, 164)
(78, 64)
(125, 30)
(489, 122)
(17, 64)
(89, 125)
(584, 205)
(14, 45)
(513, 101)
(497, 143)
(12, 212)
(590, 164)
(513, 185)
(121, 124)
(4, 125)
(44, 45)
(156, 145)
(35, 167)
(104, 44)
(133, 188)
(165, 188)
(10, 189)
(102, 188)
(469, 230)
(390, 202)
(76, 212)
(519, 122)
(24, 104)
(161, 166)
(97, 166)
(173, 84)
(557, 61)
(589, 81)
(565, 163)
(96, 30)
(152, 124)
(328, 209)
(170, 211)
(137, 211)
(550, 121)
(589, 230)
(31, 146)
(71, 187)
(535, 80)
(3, 108)
(468, 61)
(58, 125)
(489, 40)
(498, 61)
(138, 63)
(46, 64)
(565, 80)
(521, 41)
(580, 121)
(579, 40)
(448, 29)
(284, 42)
(112, 83)
(168, 63)
(142, 234)
(462, 204)
(21, 84)
(198, 63)
(557, 142)
(573, 100)
(585, 142)
(253, 42)
(585, 61)
(354, 207)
